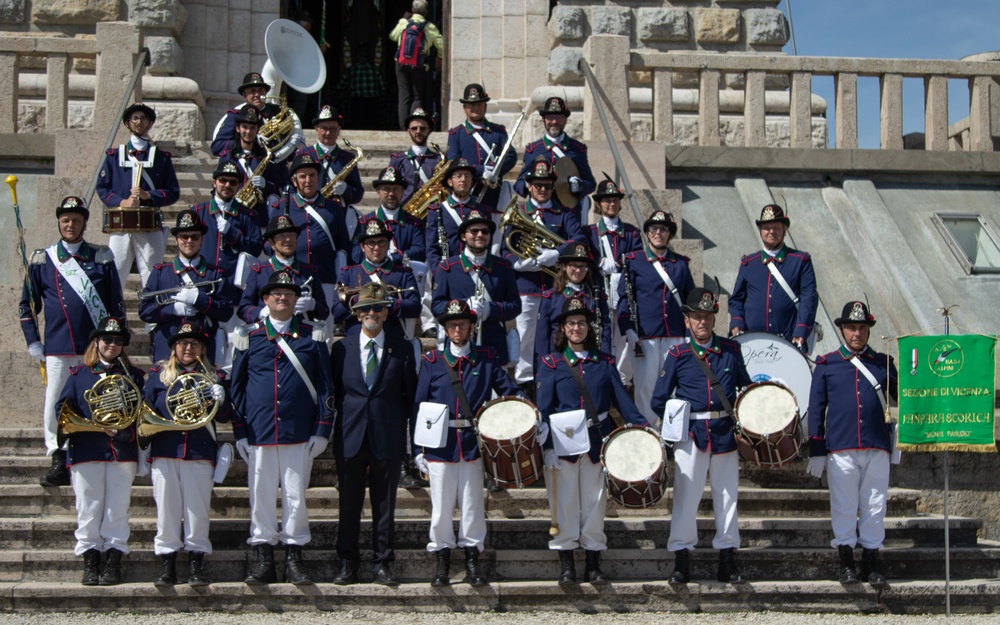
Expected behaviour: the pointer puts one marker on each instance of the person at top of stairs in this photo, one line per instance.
(253, 91)
(254, 168)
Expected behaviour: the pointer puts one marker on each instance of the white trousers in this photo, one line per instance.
(427, 320)
(270, 467)
(859, 481)
(183, 493)
(691, 468)
(57, 371)
(457, 484)
(527, 323)
(103, 492)
(623, 355)
(579, 504)
(646, 370)
(330, 291)
(146, 248)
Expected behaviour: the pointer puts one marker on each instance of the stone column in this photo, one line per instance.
(118, 44)
(608, 58)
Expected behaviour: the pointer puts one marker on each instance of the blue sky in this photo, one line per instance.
(920, 29)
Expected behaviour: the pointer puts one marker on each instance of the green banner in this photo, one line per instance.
(947, 386)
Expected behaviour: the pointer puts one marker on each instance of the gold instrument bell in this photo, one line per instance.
(527, 237)
(190, 405)
(114, 403)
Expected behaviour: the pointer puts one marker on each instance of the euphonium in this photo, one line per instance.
(277, 130)
(359, 155)
(431, 192)
(528, 237)
(190, 405)
(114, 405)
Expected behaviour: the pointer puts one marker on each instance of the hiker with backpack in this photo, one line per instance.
(415, 36)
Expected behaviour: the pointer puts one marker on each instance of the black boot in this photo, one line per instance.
(473, 575)
(348, 573)
(196, 560)
(408, 476)
(567, 568)
(294, 569)
(848, 570)
(869, 569)
(58, 475)
(168, 573)
(729, 570)
(442, 572)
(261, 571)
(112, 574)
(682, 567)
(91, 567)
(593, 572)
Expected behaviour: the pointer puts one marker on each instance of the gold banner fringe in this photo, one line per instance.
(981, 449)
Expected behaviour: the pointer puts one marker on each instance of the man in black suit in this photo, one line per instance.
(378, 379)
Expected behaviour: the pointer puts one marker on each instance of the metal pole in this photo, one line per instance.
(791, 27)
(947, 525)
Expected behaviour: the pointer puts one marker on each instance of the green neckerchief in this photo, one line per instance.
(215, 209)
(549, 142)
(573, 359)
(199, 267)
(293, 329)
(846, 353)
(469, 128)
(452, 360)
(63, 254)
(650, 256)
(467, 262)
(369, 268)
(779, 257)
(700, 351)
(277, 265)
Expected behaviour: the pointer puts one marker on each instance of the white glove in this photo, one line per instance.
(548, 258)
(421, 463)
(180, 309)
(608, 266)
(222, 223)
(258, 181)
(243, 449)
(816, 466)
(551, 459)
(297, 139)
(218, 393)
(187, 295)
(527, 264)
(479, 306)
(488, 171)
(339, 188)
(264, 312)
(575, 184)
(631, 337)
(305, 304)
(316, 446)
(543, 432)
(37, 351)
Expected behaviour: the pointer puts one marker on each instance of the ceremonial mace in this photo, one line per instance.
(12, 182)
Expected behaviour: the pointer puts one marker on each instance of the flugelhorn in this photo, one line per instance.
(527, 237)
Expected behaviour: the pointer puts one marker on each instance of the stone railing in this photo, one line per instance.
(114, 50)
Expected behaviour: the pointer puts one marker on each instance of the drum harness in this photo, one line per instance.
(463, 401)
(593, 419)
(717, 387)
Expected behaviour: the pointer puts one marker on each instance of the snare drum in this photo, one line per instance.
(136, 219)
(635, 466)
(507, 429)
(769, 433)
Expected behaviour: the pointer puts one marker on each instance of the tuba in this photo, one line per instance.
(359, 155)
(527, 237)
(114, 403)
(431, 192)
(190, 405)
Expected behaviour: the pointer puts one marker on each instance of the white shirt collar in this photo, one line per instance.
(477, 127)
(700, 344)
(574, 286)
(379, 339)
(391, 213)
(558, 139)
(73, 248)
(281, 326)
(187, 262)
(419, 150)
(545, 205)
(105, 363)
(582, 355)
(223, 205)
(772, 253)
(139, 143)
(476, 260)
(611, 223)
(327, 148)
(460, 352)
(286, 262)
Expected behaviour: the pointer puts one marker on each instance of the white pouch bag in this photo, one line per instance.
(222, 463)
(676, 416)
(431, 427)
(569, 432)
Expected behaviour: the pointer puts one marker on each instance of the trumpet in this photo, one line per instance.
(345, 292)
(527, 237)
(190, 404)
(163, 295)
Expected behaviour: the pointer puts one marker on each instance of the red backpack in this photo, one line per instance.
(411, 45)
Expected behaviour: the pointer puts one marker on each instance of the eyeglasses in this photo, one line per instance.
(113, 340)
(188, 343)
(483, 231)
(229, 182)
(455, 325)
(138, 118)
(575, 324)
(282, 294)
(658, 230)
(418, 128)
(376, 243)
(541, 187)
(191, 236)
(377, 308)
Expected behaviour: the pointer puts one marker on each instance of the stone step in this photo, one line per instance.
(519, 534)
(416, 565)
(905, 596)
(35, 501)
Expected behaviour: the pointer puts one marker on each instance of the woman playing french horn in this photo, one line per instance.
(97, 409)
(184, 391)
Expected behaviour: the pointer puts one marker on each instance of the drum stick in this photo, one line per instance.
(554, 528)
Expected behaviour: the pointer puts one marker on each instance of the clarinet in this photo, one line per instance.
(633, 305)
(442, 236)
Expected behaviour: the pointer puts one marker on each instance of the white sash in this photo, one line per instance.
(557, 151)
(243, 262)
(322, 223)
(476, 281)
(784, 283)
(666, 280)
(350, 221)
(81, 284)
(375, 277)
(482, 143)
(856, 361)
(292, 358)
(127, 161)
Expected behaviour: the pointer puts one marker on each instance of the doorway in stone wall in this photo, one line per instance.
(360, 60)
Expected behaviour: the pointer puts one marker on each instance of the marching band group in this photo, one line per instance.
(541, 320)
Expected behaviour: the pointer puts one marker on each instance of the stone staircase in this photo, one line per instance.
(785, 532)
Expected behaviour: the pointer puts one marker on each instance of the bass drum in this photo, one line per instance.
(769, 357)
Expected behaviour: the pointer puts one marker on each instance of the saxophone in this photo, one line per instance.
(359, 155)
(250, 195)
(431, 192)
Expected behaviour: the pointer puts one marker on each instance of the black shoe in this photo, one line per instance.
(408, 477)
(348, 573)
(567, 568)
(168, 572)
(682, 567)
(442, 571)
(848, 570)
(91, 567)
(112, 574)
(869, 569)
(58, 475)
(593, 572)
(294, 569)
(430, 333)
(473, 575)
(383, 575)
(261, 571)
(729, 570)
(196, 560)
